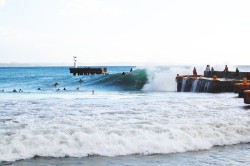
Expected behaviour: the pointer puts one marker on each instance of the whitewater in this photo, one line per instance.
(134, 119)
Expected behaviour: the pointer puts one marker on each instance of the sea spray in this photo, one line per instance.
(163, 78)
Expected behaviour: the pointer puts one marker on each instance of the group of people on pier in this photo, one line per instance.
(209, 72)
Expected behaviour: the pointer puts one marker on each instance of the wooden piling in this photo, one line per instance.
(240, 88)
(247, 96)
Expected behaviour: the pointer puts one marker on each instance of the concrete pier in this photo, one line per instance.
(247, 96)
(216, 82)
(88, 71)
(188, 83)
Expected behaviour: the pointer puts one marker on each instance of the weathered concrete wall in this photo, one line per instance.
(193, 84)
(230, 75)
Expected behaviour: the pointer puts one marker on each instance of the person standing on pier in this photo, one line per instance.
(226, 71)
(207, 71)
(237, 73)
(194, 72)
(212, 71)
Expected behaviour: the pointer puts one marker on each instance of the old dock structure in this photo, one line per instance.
(213, 82)
(88, 71)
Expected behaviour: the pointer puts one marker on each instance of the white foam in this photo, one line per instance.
(140, 123)
(163, 78)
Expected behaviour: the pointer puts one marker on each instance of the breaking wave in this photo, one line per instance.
(142, 78)
(128, 81)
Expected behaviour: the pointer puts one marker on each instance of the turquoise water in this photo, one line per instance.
(29, 79)
(132, 119)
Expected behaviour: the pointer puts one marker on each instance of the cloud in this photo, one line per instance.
(11, 35)
(113, 10)
(2, 3)
(81, 7)
(90, 8)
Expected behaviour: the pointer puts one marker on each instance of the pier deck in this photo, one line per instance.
(88, 71)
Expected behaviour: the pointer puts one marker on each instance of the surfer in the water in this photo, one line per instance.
(81, 81)
(55, 84)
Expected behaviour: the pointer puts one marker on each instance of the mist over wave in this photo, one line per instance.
(163, 78)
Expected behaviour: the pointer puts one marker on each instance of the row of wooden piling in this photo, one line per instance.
(243, 90)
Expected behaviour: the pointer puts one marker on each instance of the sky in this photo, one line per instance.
(125, 31)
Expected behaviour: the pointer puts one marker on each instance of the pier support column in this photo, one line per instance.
(247, 96)
(179, 82)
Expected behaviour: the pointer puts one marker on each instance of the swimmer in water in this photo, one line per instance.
(55, 84)
(81, 81)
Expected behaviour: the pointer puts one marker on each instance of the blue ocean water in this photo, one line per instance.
(29, 79)
(132, 119)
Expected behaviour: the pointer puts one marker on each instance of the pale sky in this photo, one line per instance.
(125, 31)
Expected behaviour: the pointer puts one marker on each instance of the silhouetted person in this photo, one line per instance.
(123, 73)
(77, 89)
(39, 89)
(20, 90)
(212, 71)
(131, 70)
(14, 90)
(207, 71)
(55, 84)
(64, 88)
(237, 73)
(81, 81)
(194, 72)
(226, 71)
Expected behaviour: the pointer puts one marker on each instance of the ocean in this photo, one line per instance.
(114, 119)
